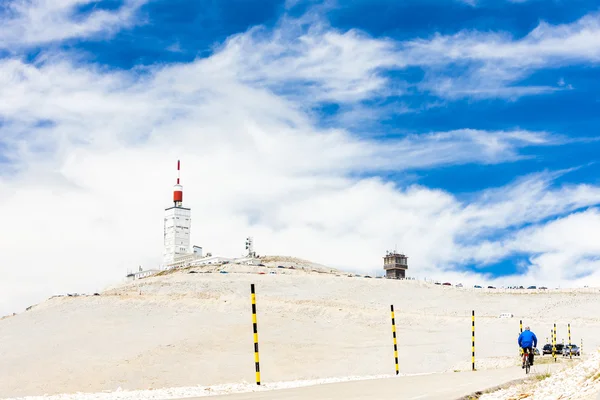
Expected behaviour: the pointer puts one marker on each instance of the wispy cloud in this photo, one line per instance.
(563, 248)
(93, 108)
(343, 66)
(475, 3)
(471, 3)
(454, 147)
(35, 22)
(492, 64)
(529, 200)
(546, 44)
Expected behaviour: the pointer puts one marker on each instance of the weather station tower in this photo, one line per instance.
(178, 223)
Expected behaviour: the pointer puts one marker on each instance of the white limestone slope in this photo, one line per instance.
(187, 329)
(196, 391)
(581, 382)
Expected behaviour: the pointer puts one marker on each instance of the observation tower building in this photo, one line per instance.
(177, 225)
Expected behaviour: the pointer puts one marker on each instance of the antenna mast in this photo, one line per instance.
(178, 189)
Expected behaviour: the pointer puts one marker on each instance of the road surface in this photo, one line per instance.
(443, 386)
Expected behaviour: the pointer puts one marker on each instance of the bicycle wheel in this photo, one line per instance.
(527, 366)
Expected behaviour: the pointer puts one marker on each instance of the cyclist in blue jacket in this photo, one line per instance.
(527, 340)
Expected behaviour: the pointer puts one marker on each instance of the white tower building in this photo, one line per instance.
(177, 229)
(250, 247)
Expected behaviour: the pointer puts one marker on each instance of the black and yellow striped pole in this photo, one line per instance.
(520, 326)
(255, 330)
(570, 350)
(552, 340)
(394, 337)
(473, 340)
(554, 344)
(520, 331)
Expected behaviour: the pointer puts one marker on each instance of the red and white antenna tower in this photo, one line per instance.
(178, 189)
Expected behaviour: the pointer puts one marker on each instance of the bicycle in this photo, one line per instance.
(526, 360)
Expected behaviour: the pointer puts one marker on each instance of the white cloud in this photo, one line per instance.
(306, 51)
(345, 65)
(474, 3)
(554, 44)
(564, 251)
(98, 108)
(492, 63)
(86, 203)
(468, 63)
(35, 22)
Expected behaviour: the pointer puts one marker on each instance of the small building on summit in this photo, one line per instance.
(395, 265)
(132, 276)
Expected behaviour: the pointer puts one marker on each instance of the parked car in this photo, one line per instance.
(531, 287)
(446, 284)
(459, 285)
(491, 287)
(543, 287)
(573, 349)
(547, 349)
(477, 287)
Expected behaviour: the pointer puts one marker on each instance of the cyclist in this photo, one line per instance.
(527, 341)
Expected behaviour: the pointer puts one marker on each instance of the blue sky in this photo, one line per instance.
(468, 128)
